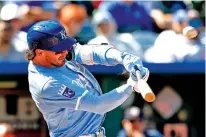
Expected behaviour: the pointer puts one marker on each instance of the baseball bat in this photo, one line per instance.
(144, 89)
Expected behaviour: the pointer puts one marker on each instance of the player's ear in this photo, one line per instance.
(39, 52)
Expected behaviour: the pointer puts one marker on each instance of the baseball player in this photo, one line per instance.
(65, 92)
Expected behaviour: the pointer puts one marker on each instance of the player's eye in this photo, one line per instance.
(56, 53)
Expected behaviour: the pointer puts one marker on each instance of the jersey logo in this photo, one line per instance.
(81, 82)
(67, 92)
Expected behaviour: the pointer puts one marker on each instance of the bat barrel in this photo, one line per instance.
(150, 97)
(144, 89)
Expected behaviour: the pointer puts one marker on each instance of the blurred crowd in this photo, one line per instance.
(152, 30)
(149, 29)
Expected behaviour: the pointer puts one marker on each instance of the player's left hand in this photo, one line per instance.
(133, 64)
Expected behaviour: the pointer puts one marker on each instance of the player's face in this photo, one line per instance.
(55, 58)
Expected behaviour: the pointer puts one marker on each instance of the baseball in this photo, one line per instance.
(190, 32)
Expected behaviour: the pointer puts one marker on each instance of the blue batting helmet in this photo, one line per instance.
(49, 35)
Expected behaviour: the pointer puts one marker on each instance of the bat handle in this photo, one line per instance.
(138, 75)
(144, 89)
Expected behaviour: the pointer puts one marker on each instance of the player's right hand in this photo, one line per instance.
(133, 64)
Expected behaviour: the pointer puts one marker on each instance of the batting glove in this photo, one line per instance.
(133, 64)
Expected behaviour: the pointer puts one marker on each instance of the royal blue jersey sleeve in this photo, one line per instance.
(57, 93)
(97, 54)
(106, 102)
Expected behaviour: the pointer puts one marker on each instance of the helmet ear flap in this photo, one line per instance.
(70, 55)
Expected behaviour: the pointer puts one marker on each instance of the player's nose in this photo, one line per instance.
(65, 52)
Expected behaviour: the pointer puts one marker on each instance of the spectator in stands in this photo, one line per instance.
(34, 11)
(16, 18)
(129, 15)
(172, 46)
(162, 12)
(107, 33)
(200, 7)
(12, 41)
(87, 4)
(196, 22)
(74, 18)
(134, 125)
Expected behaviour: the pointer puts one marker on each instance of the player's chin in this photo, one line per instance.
(61, 62)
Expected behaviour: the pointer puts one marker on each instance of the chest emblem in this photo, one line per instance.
(67, 92)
